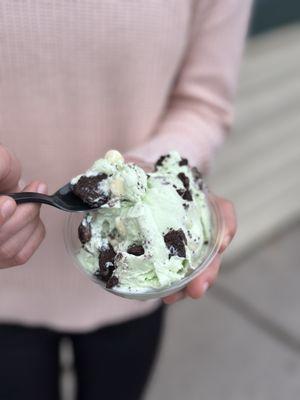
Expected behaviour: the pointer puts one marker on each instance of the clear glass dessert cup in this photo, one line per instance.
(73, 246)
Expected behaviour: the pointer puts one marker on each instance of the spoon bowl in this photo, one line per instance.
(63, 199)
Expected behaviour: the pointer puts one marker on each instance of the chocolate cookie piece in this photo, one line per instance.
(180, 192)
(184, 179)
(196, 173)
(198, 178)
(84, 233)
(87, 189)
(175, 242)
(113, 281)
(106, 263)
(185, 194)
(183, 161)
(160, 161)
(136, 250)
(185, 206)
(118, 257)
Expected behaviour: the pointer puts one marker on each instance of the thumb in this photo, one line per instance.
(10, 170)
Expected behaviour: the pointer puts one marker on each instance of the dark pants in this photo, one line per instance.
(110, 363)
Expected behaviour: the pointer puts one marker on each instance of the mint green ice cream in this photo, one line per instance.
(151, 230)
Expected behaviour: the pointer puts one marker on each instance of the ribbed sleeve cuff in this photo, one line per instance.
(192, 137)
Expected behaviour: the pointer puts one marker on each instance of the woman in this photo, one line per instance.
(79, 78)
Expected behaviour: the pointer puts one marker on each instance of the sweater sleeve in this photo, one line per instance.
(199, 112)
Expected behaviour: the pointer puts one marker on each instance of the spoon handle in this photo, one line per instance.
(31, 197)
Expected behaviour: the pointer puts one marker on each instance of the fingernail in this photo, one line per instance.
(7, 209)
(42, 188)
(205, 287)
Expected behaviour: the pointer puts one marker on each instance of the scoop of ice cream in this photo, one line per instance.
(152, 229)
(110, 181)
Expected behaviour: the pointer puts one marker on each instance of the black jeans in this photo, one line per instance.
(113, 362)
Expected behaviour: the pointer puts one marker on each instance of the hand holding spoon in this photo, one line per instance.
(63, 198)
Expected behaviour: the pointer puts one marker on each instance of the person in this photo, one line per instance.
(77, 79)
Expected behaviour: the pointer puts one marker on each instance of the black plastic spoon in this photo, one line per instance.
(64, 199)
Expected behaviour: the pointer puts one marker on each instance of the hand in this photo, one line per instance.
(21, 230)
(202, 282)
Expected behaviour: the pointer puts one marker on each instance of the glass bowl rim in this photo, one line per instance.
(155, 293)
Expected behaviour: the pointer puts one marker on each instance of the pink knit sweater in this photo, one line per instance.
(80, 77)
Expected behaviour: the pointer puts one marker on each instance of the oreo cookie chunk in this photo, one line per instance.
(160, 161)
(185, 193)
(106, 263)
(198, 178)
(175, 242)
(183, 161)
(184, 179)
(113, 281)
(136, 250)
(84, 232)
(87, 189)
(185, 206)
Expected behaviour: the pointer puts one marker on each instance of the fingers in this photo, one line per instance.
(22, 215)
(229, 217)
(32, 244)
(23, 255)
(173, 298)
(10, 170)
(7, 208)
(21, 230)
(198, 286)
(13, 245)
